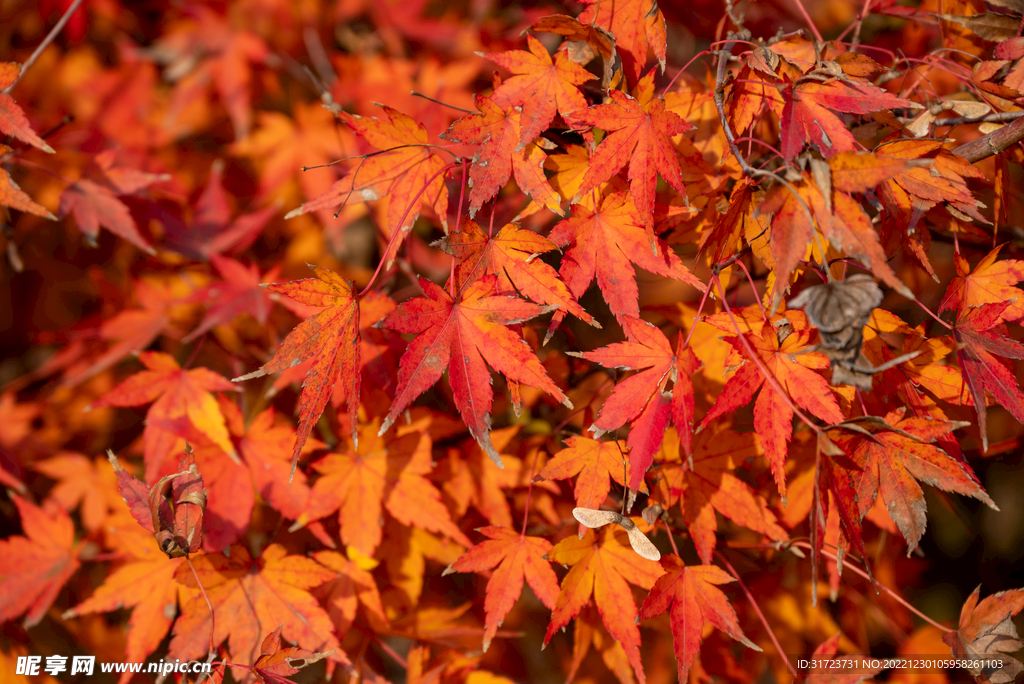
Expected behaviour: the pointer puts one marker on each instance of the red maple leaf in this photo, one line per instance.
(13, 121)
(694, 600)
(642, 397)
(517, 558)
(639, 133)
(605, 243)
(991, 281)
(807, 113)
(496, 132)
(792, 372)
(891, 461)
(636, 24)
(540, 86)
(510, 255)
(982, 342)
(460, 334)
(238, 293)
(986, 633)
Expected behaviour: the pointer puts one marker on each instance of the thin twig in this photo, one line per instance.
(757, 609)
(46, 41)
(899, 599)
(994, 117)
(213, 617)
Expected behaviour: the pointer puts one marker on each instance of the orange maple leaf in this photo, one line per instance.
(460, 334)
(838, 215)
(640, 134)
(605, 243)
(510, 255)
(986, 632)
(991, 281)
(892, 460)
(352, 586)
(175, 393)
(709, 486)
(36, 565)
(331, 337)
(144, 582)
(378, 474)
(81, 481)
(636, 24)
(496, 130)
(594, 462)
(517, 558)
(793, 372)
(540, 86)
(405, 167)
(694, 599)
(245, 593)
(600, 572)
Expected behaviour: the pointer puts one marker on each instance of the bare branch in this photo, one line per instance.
(46, 41)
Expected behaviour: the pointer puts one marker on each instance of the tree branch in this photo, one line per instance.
(46, 41)
(992, 144)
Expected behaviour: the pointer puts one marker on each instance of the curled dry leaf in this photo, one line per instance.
(588, 517)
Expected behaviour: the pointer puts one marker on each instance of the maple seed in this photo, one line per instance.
(591, 518)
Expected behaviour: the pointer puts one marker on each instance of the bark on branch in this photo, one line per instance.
(993, 143)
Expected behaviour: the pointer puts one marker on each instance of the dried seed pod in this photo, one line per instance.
(588, 517)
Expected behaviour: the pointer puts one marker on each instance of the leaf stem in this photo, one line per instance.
(757, 609)
(899, 599)
(46, 42)
(396, 233)
(213, 616)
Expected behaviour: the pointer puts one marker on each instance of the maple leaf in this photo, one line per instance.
(605, 243)
(639, 132)
(175, 393)
(245, 593)
(807, 113)
(793, 373)
(981, 341)
(468, 330)
(641, 397)
(131, 330)
(36, 565)
(594, 462)
(986, 632)
(211, 231)
(600, 572)
(695, 600)
(13, 121)
(517, 558)
(540, 86)
(709, 486)
(510, 255)
(636, 24)
(890, 462)
(238, 293)
(331, 337)
(14, 197)
(353, 586)
(275, 663)
(406, 168)
(380, 473)
(144, 582)
(208, 50)
(991, 281)
(82, 482)
(826, 195)
(495, 131)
